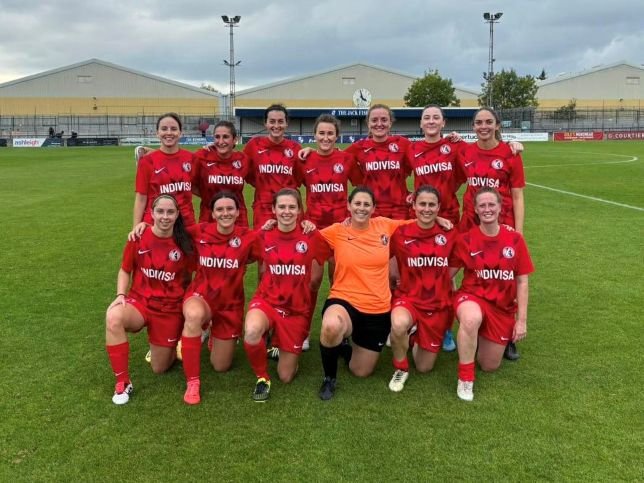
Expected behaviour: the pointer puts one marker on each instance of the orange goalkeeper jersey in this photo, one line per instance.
(362, 263)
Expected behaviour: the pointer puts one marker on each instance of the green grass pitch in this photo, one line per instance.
(568, 410)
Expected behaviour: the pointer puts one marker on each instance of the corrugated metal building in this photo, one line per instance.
(99, 88)
(617, 85)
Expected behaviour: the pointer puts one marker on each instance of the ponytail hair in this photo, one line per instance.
(179, 232)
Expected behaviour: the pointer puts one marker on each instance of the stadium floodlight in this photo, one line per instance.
(491, 18)
(231, 22)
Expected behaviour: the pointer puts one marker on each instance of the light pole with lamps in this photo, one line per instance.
(231, 22)
(491, 18)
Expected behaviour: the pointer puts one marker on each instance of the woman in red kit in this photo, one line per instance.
(489, 162)
(282, 302)
(167, 170)
(424, 296)
(273, 159)
(150, 287)
(492, 302)
(219, 168)
(217, 291)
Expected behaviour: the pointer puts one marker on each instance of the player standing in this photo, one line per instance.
(221, 168)
(273, 159)
(167, 170)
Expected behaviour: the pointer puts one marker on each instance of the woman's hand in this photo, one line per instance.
(120, 299)
(444, 223)
(269, 225)
(303, 153)
(520, 330)
(454, 137)
(516, 147)
(137, 231)
(308, 227)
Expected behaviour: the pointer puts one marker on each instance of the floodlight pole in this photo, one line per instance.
(231, 22)
(491, 18)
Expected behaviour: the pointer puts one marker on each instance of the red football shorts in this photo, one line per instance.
(497, 325)
(289, 330)
(431, 325)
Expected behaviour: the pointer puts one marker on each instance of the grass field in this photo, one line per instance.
(568, 410)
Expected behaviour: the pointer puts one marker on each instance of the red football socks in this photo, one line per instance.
(466, 372)
(191, 354)
(119, 355)
(257, 357)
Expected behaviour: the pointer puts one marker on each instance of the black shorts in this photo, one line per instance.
(370, 331)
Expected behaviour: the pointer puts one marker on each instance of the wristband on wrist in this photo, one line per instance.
(119, 294)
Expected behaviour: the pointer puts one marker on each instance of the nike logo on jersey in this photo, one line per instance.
(157, 171)
(367, 150)
(308, 171)
(268, 249)
(170, 341)
(261, 151)
(469, 164)
(141, 252)
(210, 164)
(297, 347)
(351, 238)
(203, 242)
(419, 154)
(473, 254)
(407, 242)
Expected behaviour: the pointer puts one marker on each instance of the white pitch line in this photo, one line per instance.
(632, 160)
(586, 197)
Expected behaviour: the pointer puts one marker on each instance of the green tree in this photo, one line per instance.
(431, 89)
(543, 76)
(567, 112)
(510, 90)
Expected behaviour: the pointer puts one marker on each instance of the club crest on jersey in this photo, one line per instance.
(174, 255)
(338, 168)
(288, 153)
(445, 149)
(440, 240)
(237, 164)
(393, 147)
(508, 252)
(234, 242)
(384, 239)
(497, 164)
(301, 247)
(187, 167)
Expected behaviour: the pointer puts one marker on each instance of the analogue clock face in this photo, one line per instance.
(362, 98)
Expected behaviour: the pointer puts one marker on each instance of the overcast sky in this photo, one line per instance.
(186, 40)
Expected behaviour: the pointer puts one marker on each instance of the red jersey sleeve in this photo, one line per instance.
(129, 255)
(459, 173)
(143, 175)
(456, 257)
(355, 174)
(517, 176)
(321, 249)
(524, 262)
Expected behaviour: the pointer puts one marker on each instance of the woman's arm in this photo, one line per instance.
(122, 284)
(521, 327)
(518, 207)
(140, 201)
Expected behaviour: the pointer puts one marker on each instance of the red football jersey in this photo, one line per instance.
(221, 261)
(287, 259)
(272, 167)
(212, 174)
(423, 262)
(495, 168)
(385, 169)
(160, 173)
(326, 179)
(159, 269)
(436, 164)
(491, 264)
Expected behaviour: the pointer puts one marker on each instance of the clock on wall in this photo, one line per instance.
(362, 98)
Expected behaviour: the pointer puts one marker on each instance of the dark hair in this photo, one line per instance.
(221, 195)
(488, 189)
(426, 188)
(497, 119)
(179, 233)
(288, 192)
(362, 189)
(386, 108)
(227, 124)
(435, 106)
(174, 116)
(328, 118)
(275, 107)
